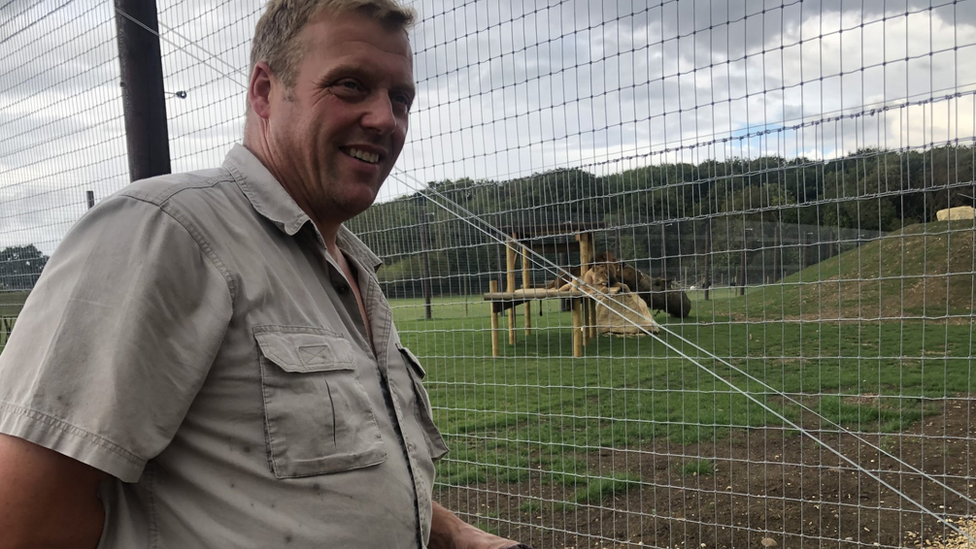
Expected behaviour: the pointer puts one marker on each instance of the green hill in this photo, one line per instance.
(921, 270)
(12, 301)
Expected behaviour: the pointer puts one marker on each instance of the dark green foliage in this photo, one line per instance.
(20, 267)
(768, 217)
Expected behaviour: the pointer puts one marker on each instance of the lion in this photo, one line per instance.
(603, 276)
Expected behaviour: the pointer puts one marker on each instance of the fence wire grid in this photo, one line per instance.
(682, 274)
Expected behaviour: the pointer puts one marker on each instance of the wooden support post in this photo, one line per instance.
(590, 310)
(584, 253)
(493, 288)
(510, 252)
(577, 327)
(591, 323)
(585, 258)
(525, 286)
(589, 305)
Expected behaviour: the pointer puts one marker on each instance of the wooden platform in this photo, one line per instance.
(584, 308)
(584, 312)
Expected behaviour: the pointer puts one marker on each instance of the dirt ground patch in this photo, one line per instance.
(764, 487)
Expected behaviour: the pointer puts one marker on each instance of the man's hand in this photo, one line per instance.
(447, 531)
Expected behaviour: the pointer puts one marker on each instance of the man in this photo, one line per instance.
(208, 360)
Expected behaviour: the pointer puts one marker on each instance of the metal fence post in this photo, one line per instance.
(144, 101)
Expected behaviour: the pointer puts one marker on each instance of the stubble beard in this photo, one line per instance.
(344, 199)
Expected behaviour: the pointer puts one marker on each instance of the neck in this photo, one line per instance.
(330, 241)
(255, 142)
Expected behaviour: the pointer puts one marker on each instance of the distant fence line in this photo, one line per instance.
(6, 326)
(765, 253)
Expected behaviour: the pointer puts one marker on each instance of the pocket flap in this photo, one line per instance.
(302, 351)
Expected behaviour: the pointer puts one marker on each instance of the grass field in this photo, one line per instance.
(12, 302)
(10, 305)
(873, 340)
(536, 405)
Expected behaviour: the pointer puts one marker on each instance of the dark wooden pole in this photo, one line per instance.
(708, 257)
(143, 99)
(777, 253)
(425, 259)
(742, 263)
(664, 253)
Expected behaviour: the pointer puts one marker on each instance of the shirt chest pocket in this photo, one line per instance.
(318, 418)
(432, 436)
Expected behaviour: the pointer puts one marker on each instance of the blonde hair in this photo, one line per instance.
(276, 35)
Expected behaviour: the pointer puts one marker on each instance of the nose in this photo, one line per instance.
(379, 116)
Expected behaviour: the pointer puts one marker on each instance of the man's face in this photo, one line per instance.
(335, 136)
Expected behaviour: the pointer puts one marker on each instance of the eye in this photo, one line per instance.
(347, 87)
(402, 99)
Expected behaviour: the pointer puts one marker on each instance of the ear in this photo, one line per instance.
(259, 89)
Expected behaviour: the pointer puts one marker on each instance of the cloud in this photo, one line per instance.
(61, 129)
(205, 46)
(683, 74)
(61, 122)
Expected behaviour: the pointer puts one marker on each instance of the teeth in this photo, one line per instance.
(372, 158)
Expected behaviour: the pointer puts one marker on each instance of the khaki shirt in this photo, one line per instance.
(192, 337)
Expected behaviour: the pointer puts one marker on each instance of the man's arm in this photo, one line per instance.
(447, 531)
(47, 500)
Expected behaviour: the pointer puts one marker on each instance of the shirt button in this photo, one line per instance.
(342, 288)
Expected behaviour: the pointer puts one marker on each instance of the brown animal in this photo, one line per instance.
(659, 293)
(563, 279)
(603, 275)
(635, 278)
(597, 278)
(606, 273)
(608, 260)
(613, 268)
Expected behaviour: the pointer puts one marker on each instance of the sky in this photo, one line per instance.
(506, 89)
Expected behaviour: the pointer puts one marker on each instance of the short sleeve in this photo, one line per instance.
(116, 338)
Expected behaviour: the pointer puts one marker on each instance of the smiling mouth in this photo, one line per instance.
(364, 156)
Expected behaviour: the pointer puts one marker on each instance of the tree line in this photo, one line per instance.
(739, 221)
(20, 267)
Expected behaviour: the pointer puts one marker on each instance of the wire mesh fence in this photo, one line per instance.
(683, 274)
(59, 130)
(768, 180)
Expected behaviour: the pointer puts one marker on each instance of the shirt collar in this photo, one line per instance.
(349, 242)
(272, 201)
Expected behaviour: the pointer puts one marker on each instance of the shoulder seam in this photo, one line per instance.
(204, 246)
(161, 199)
